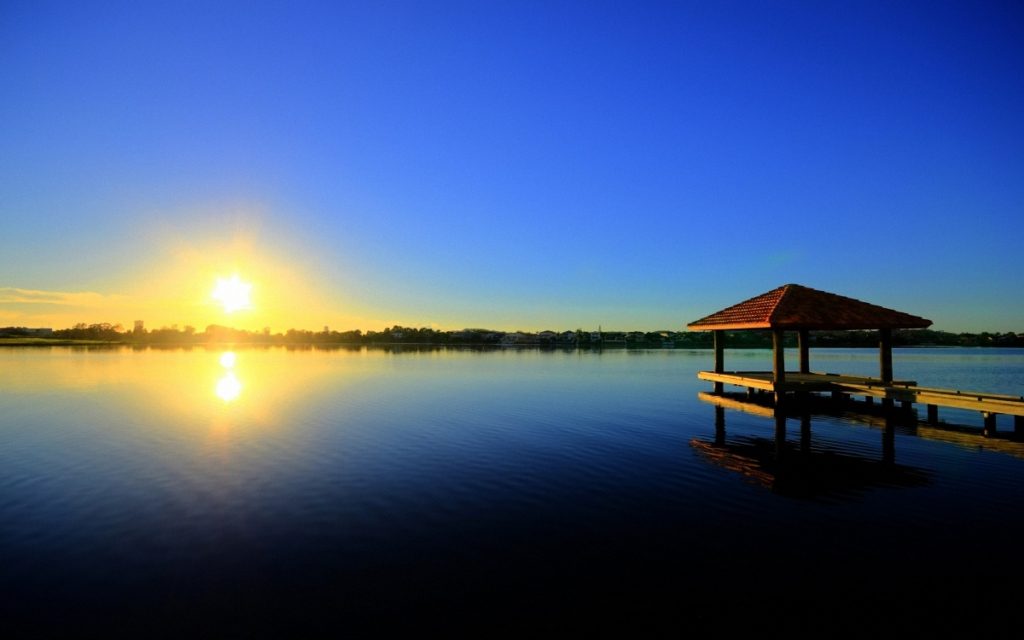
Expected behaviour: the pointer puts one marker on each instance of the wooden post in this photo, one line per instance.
(933, 414)
(719, 357)
(778, 356)
(1018, 426)
(885, 354)
(778, 366)
(990, 424)
(804, 340)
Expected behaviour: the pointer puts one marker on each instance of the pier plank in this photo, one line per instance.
(896, 390)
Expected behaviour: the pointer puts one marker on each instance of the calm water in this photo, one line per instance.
(285, 490)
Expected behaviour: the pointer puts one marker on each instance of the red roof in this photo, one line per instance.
(793, 306)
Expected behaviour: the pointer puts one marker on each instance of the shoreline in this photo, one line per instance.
(64, 342)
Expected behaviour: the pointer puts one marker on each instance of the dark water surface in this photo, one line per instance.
(298, 490)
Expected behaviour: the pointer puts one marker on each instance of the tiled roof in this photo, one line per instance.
(793, 306)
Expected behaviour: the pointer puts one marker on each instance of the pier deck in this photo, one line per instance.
(957, 434)
(905, 392)
(794, 381)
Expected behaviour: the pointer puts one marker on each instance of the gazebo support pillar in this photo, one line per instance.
(719, 357)
(778, 356)
(885, 354)
(778, 363)
(804, 340)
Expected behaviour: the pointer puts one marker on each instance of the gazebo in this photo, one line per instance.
(793, 307)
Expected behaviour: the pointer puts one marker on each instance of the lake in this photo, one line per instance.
(284, 491)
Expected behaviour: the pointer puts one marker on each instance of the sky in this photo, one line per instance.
(510, 165)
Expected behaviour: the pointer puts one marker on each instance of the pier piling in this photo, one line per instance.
(989, 423)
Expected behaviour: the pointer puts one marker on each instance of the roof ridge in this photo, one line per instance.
(797, 306)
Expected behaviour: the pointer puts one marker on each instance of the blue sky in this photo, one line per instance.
(516, 165)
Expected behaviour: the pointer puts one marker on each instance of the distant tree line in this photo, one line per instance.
(900, 338)
(578, 338)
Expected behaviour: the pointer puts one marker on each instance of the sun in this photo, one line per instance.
(233, 294)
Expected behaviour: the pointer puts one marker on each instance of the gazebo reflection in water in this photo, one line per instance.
(796, 468)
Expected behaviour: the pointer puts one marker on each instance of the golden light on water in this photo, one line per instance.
(217, 404)
(229, 387)
(233, 294)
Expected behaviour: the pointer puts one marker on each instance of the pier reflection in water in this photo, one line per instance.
(799, 469)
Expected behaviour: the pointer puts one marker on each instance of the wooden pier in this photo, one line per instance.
(905, 392)
(875, 416)
(802, 309)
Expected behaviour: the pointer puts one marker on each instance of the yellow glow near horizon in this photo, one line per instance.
(228, 359)
(233, 294)
(222, 277)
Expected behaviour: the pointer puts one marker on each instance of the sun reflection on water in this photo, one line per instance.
(201, 386)
(229, 387)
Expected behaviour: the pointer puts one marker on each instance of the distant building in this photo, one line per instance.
(139, 327)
